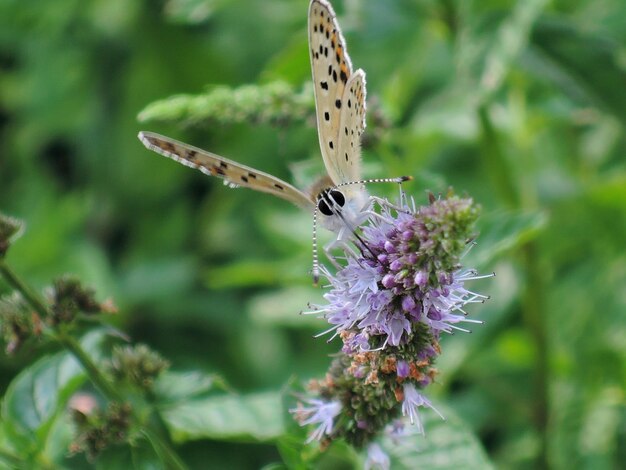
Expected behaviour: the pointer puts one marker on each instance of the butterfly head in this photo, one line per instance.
(341, 208)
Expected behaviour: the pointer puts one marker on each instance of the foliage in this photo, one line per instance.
(521, 105)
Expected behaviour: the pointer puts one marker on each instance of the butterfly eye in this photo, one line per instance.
(330, 199)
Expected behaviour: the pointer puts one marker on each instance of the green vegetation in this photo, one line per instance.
(520, 105)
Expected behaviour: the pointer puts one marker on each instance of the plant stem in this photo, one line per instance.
(29, 295)
(534, 318)
(495, 163)
(164, 451)
(93, 372)
(533, 313)
(74, 347)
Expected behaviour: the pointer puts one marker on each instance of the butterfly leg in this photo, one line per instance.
(384, 202)
(347, 248)
(328, 251)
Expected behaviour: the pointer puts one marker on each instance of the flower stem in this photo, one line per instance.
(495, 163)
(74, 347)
(163, 450)
(93, 372)
(533, 306)
(29, 295)
(534, 318)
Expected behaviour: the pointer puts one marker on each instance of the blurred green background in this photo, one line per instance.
(521, 105)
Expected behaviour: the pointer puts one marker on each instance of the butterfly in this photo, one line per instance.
(339, 196)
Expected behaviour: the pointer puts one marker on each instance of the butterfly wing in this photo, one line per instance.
(351, 126)
(332, 71)
(233, 173)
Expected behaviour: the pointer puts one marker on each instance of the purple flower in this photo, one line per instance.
(319, 412)
(406, 272)
(397, 287)
(412, 401)
(395, 326)
(403, 369)
(376, 458)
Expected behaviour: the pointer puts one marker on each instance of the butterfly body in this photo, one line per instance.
(338, 198)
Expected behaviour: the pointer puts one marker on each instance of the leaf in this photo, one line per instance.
(585, 64)
(38, 392)
(176, 386)
(190, 11)
(140, 456)
(281, 307)
(510, 41)
(447, 444)
(250, 418)
(502, 231)
(246, 273)
(61, 434)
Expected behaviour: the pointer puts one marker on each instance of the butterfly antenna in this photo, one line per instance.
(316, 267)
(399, 180)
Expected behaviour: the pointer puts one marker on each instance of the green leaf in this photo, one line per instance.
(583, 65)
(176, 386)
(41, 390)
(275, 466)
(250, 418)
(140, 456)
(502, 231)
(190, 11)
(59, 438)
(509, 43)
(281, 307)
(447, 444)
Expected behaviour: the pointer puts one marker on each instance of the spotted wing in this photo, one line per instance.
(231, 172)
(331, 68)
(351, 126)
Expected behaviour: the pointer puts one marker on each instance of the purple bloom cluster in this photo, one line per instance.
(399, 287)
(407, 274)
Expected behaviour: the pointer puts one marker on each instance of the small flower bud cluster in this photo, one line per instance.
(136, 365)
(389, 305)
(98, 430)
(10, 229)
(66, 299)
(69, 298)
(18, 322)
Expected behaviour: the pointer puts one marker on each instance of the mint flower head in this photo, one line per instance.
(399, 285)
